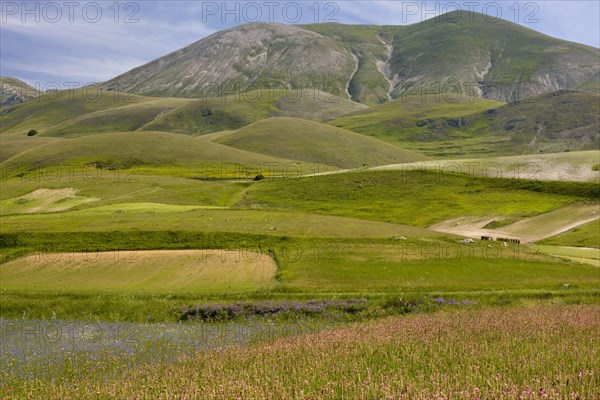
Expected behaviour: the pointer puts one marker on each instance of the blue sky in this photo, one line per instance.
(78, 42)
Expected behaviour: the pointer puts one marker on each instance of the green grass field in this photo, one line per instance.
(585, 255)
(415, 197)
(587, 235)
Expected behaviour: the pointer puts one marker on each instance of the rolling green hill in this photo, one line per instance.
(72, 114)
(137, 149)
(314, 142)
(57, 108)
(398, 122)
(199, 117)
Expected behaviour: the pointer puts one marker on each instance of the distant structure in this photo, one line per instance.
(500, 239)
(509, 240)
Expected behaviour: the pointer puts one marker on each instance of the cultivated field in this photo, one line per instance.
(140, 271)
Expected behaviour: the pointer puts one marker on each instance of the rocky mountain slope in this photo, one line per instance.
(497, 60)
(14, 91)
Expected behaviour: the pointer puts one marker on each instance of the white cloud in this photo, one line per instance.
(79, 50)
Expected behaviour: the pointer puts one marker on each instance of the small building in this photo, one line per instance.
(509, 240)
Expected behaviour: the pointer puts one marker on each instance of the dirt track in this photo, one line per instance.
(527, 230)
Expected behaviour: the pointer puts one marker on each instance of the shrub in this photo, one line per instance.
(32, 132)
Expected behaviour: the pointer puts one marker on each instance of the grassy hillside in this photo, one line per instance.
(587, 235)
(126, 118)
(314, 142)
(399, 122)
(13, 144)
(591, 84)
(76, 113)
(55, 108)
(552, 122)
(435, 127)
(415, 197)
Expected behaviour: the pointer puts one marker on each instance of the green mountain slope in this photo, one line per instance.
(50, 110)
(550, 122)
(502, 60)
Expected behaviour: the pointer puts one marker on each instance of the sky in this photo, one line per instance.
(62, 44)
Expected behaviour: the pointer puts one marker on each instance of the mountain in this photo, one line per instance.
(564, 120)
(246, 57)
(502, 61)
(369, 64)
(15, 91)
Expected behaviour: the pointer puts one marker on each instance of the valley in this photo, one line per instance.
(313, 187)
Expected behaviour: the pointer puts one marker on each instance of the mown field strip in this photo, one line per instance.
(142, 271)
